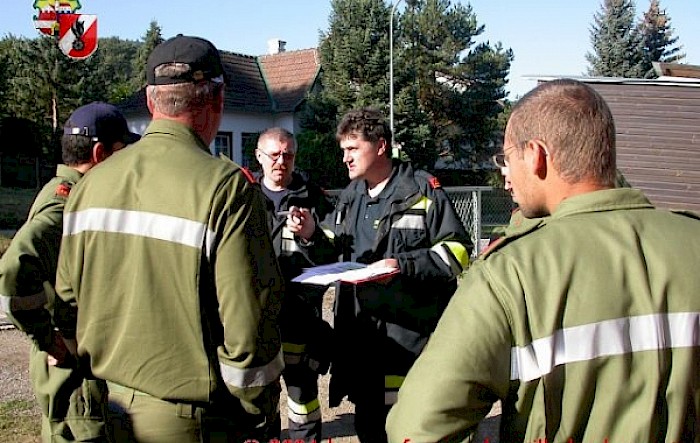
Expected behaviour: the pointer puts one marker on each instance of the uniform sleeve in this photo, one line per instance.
(462, 371)
(27, 274)
(448, 254)
(248, 285)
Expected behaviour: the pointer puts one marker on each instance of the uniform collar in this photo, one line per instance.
(68, 173)
(182, 131)
(605, 200)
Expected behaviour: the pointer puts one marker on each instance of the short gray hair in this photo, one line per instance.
(177, 98)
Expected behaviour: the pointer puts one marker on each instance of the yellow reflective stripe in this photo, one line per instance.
(15, 303)
(424, 203)
(329, 233)
(303, 408)
(294, 348)
(286, 233)
(459, 251)
(144, 224)
(253, 377)
(393, 381)
(303, 413)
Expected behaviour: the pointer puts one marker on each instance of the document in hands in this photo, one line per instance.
(349, 272)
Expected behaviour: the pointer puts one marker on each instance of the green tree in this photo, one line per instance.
(446, 86)
(659, 44)
(151, 39)
(449, 86)
(115, 67)
(616, 41)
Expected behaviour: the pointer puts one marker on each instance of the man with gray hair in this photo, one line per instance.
(171, 273)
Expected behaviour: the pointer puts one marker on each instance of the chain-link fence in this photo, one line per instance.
(484, 211)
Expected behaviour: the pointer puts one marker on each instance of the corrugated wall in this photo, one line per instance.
(658, 140)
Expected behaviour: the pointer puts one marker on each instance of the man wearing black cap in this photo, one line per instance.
(167, 259)
(72, 406)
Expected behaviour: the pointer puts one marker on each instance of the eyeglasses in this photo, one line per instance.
(275, 157)
(499, 160)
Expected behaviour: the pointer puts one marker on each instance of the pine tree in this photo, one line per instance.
(457, 96)
(151, 39)
(616, 41)
(658, 44)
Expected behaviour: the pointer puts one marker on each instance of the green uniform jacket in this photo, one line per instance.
(167, 259)
(587, 328)
(28, 267)
(72, 407)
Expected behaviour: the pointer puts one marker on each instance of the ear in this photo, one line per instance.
(537, 154)
(149, 101)
(99, 153)
(381, 147)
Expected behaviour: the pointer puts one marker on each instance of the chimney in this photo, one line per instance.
(275, 46)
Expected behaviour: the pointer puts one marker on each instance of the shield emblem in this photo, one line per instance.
(46, 20)
(77, 35)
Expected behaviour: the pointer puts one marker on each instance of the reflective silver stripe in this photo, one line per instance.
(606, 338)
(440, 250)
(290, 246)
(286, 233)
(329, 233)
(409, 221)
(390, 397)
(253, 377)
(144, 224)
(303, 413)
(15, 303)
(5, 301)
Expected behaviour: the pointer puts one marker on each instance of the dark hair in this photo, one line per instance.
(77, 149)
(368, 122)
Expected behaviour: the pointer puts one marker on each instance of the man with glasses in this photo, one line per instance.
(586, 325)
(306, 338)
(168, 267)
(72, 403)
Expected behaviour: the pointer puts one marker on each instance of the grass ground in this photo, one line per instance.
(19, 422)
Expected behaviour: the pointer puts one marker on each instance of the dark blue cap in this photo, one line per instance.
(100, 121)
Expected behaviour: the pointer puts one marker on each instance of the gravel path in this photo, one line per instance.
(338, 422)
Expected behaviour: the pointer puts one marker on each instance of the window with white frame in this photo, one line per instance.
(223, 144)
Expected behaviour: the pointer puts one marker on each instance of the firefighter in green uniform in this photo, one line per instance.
(586, 325)
(71, 402)
(168, 266)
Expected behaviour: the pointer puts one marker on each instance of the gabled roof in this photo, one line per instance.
(290, 75)
(266, 84)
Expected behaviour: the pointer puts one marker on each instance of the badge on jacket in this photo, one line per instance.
(434, 183)
(63, 190)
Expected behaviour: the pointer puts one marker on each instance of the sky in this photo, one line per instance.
(548, 37)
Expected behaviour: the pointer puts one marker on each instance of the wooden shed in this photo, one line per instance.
(658, 132)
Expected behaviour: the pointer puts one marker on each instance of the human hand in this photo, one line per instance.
(385, 263)
(300, 222)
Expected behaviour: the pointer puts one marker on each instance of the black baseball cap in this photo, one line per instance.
(199, 54)
(100, 121)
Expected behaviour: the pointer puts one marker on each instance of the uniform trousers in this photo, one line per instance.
(73, 408)
(134, 416)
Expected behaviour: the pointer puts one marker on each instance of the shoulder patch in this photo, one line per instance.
(63, 190)
(434, 182)
(248, 174)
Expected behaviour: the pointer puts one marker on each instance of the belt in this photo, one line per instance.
(184, 409)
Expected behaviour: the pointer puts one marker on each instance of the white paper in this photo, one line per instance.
(347, 271)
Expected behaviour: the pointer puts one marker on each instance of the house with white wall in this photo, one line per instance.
(262, 91)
